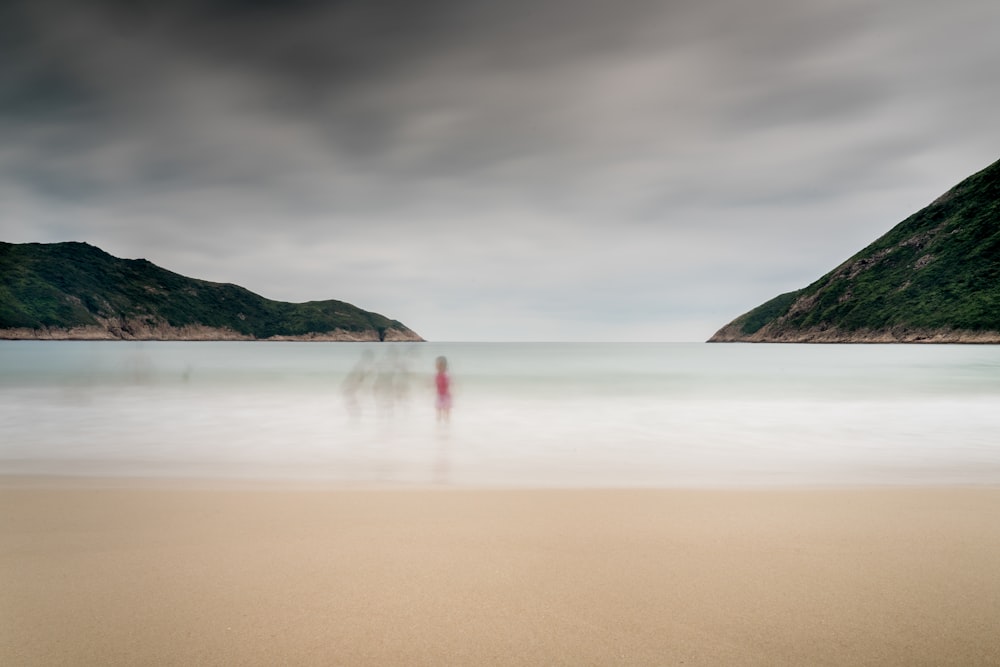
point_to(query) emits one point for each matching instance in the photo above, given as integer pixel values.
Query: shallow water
(547, 414)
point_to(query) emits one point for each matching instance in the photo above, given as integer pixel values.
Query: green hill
(935, 277)
(74, 290)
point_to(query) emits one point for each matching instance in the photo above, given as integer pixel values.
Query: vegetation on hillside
(937, 270)
(66, 285)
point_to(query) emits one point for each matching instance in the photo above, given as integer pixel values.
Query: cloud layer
(558, 170)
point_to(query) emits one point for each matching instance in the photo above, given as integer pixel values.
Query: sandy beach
(142, 573)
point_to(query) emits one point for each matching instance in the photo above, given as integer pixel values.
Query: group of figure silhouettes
(390, 380)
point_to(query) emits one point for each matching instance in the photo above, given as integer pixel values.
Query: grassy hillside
(67, 285)
(936, 272)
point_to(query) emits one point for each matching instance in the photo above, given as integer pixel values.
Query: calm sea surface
(548, 414)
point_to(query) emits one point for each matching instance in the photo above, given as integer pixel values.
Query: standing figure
(443, 383)
(383, 382)
(353, 382)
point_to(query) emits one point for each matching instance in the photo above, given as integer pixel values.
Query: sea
(523, 414)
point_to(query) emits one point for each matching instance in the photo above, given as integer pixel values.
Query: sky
(526, 170)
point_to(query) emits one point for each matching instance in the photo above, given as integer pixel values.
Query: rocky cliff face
(142, 330)
(933, 278)
(732, 334)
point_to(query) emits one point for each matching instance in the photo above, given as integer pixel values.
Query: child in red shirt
(443, 383)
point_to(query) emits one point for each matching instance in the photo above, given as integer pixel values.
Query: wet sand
(134, 573)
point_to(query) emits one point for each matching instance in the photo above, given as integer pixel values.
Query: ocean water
(546, 414)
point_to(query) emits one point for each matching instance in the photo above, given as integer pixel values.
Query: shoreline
(209, 336)
(133, 571)
(45, 482)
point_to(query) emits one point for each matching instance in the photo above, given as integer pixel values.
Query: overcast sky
(627, 170)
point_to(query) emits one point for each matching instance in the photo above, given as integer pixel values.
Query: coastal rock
(732, 334)
(199, 333)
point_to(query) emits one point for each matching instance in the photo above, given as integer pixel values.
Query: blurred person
(353, 383)
(404, 376)
(443, 383)
(384, 383)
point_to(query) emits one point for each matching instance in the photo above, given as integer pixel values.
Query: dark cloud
(513, 160)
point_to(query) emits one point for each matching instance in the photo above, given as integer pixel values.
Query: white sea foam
(525, 414)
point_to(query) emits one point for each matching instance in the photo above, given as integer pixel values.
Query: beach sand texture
(143, 573)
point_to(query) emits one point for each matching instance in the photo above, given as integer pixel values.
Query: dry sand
(143, 574)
